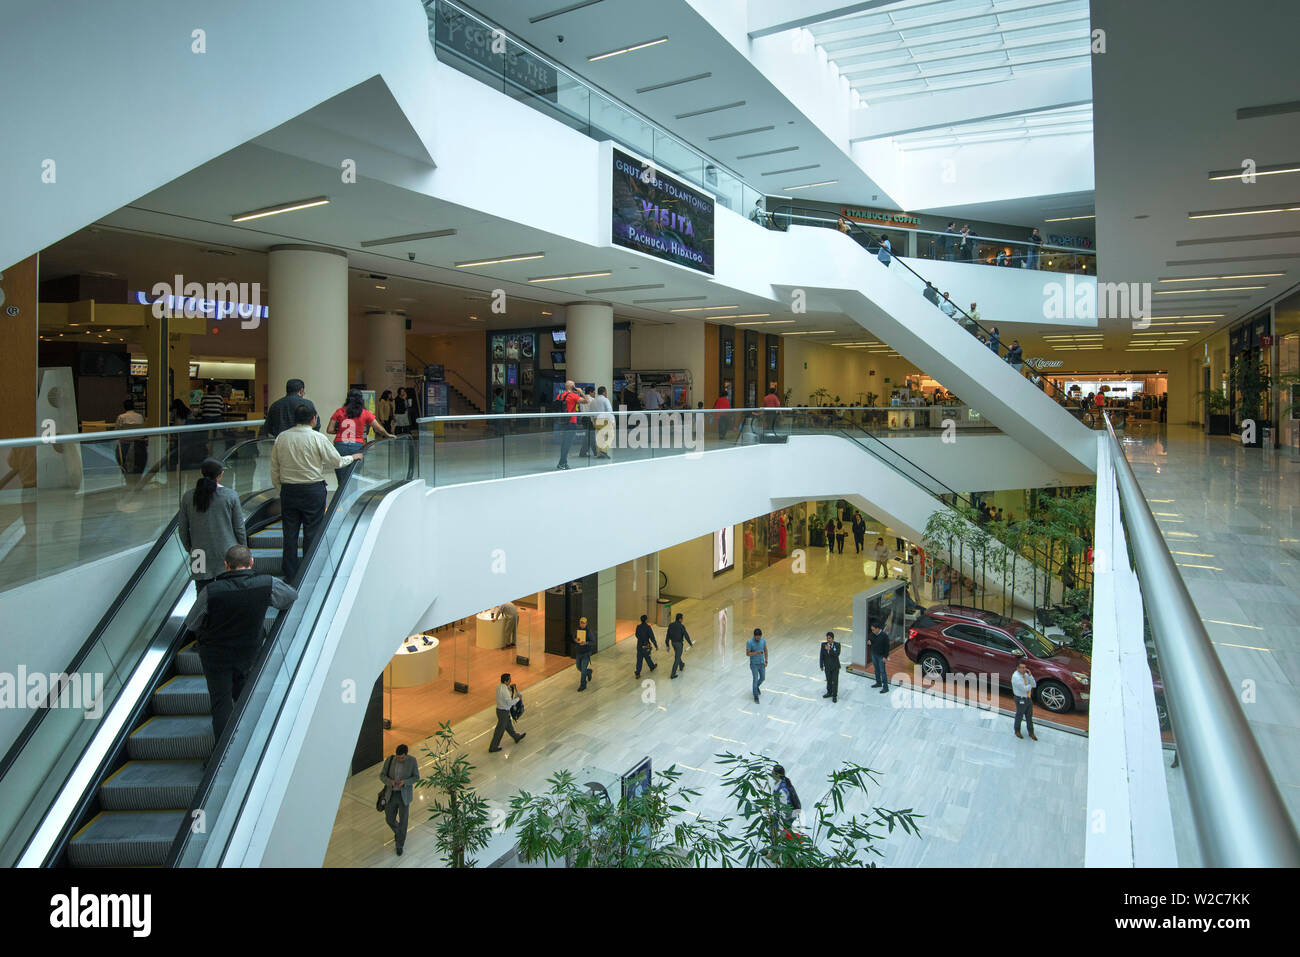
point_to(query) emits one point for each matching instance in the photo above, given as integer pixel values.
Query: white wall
(689, 567)
(293, 804)
(678, 345)
(844, 372)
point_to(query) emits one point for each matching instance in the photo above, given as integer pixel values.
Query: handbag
(381, 803)
(517, 709)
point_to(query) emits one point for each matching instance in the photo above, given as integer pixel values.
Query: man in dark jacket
(859, 532)
(676, 635)
(828, 660)
(279, 416)
(878, 641)
(227, 617)
(582, 650)
(645, 643)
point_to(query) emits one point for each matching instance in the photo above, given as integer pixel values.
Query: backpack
(794, 795)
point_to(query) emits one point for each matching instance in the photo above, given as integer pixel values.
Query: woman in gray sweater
(211, 521)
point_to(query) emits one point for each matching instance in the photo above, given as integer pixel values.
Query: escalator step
(269, 540)
(172, 737)
(187, 660)
(267, 561)
(184, 694)
(125, 839)
(151, 786)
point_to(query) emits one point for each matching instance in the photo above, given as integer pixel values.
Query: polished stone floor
(1231, 519)
(988, 798)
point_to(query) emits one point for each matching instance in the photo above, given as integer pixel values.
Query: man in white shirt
(132, 452)
(604, 423)
(1022, 689)
(948, 306)
(300, 460)
(507, 698)
(651, 400)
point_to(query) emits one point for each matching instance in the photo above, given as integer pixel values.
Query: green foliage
(1216, 403)
(462, 818)
(821, 838)
(571, 823)
(1251, 381)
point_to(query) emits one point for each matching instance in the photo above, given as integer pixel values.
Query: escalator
(119, 790)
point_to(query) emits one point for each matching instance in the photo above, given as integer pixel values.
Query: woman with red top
(348, 425)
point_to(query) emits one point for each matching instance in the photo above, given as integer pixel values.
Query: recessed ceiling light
(811, 332)
(381, 287)
(1065, 219)
(700, 308)
(621, 50)
(1189, 292)
(515, 258)
(408, 238)
(1234, 275)
(1243, 174)
(281, 208)
(580, 275)
(829, 182)
(1243, 211)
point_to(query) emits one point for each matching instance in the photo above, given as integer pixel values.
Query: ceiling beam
(775, 16)
(1044, 90)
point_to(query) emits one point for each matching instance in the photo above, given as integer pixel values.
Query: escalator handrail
(168, 536)
(254, 675)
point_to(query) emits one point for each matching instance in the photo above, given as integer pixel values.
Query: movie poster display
(661, 216)
(724, 549)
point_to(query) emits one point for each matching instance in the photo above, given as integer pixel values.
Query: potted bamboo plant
(1216, 412)
(1252, 383)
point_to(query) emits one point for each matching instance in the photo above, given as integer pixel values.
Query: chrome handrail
(127, 433)
(1240, 818)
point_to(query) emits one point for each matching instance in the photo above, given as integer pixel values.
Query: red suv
(954, 638)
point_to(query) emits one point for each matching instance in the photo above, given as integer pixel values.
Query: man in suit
(645, 643)
(399, 774)
(829, 661)
(676, 635)
(878, 641)
(582, 652)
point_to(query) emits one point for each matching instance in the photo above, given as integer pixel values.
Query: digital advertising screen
(661, 216)
(724, 549)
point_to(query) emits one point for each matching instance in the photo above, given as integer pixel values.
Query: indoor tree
(461, 817)
(1250, 378)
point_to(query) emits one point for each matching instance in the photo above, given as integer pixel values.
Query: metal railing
(1240, 818)
(523, 73)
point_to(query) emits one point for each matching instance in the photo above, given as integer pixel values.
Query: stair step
(125, 839)
(151, 786)
(183, 694)
(172, 737)
(187, 660)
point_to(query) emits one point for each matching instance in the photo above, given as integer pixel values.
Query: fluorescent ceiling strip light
(408, 238)
(569, 9)
(580, 275)
(1271, 170)
(517, 258)
(829, 182)
(1235, 275)
(727, 136)
(280, 208)
(1188, 292)
(1242, 211)
(667, 84)
(709, 109)
(632, 48)
(812, 332)
(1066, 219)
(699, 308)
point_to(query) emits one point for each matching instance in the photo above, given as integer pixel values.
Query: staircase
(142, 806)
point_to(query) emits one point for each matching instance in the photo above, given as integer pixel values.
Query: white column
(385, 352)
(589, 329)
(307, 325)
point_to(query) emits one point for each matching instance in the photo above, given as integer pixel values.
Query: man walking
(280, 414)
(645, 643)
(881, 555)
(582, 653)
(572, 399)
(676, 635)
(299, 463)
(756, 652)
(399, 774)
(828, 660)
(878, 639)
(507, 698)
(227, 617)
(1022, 689)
